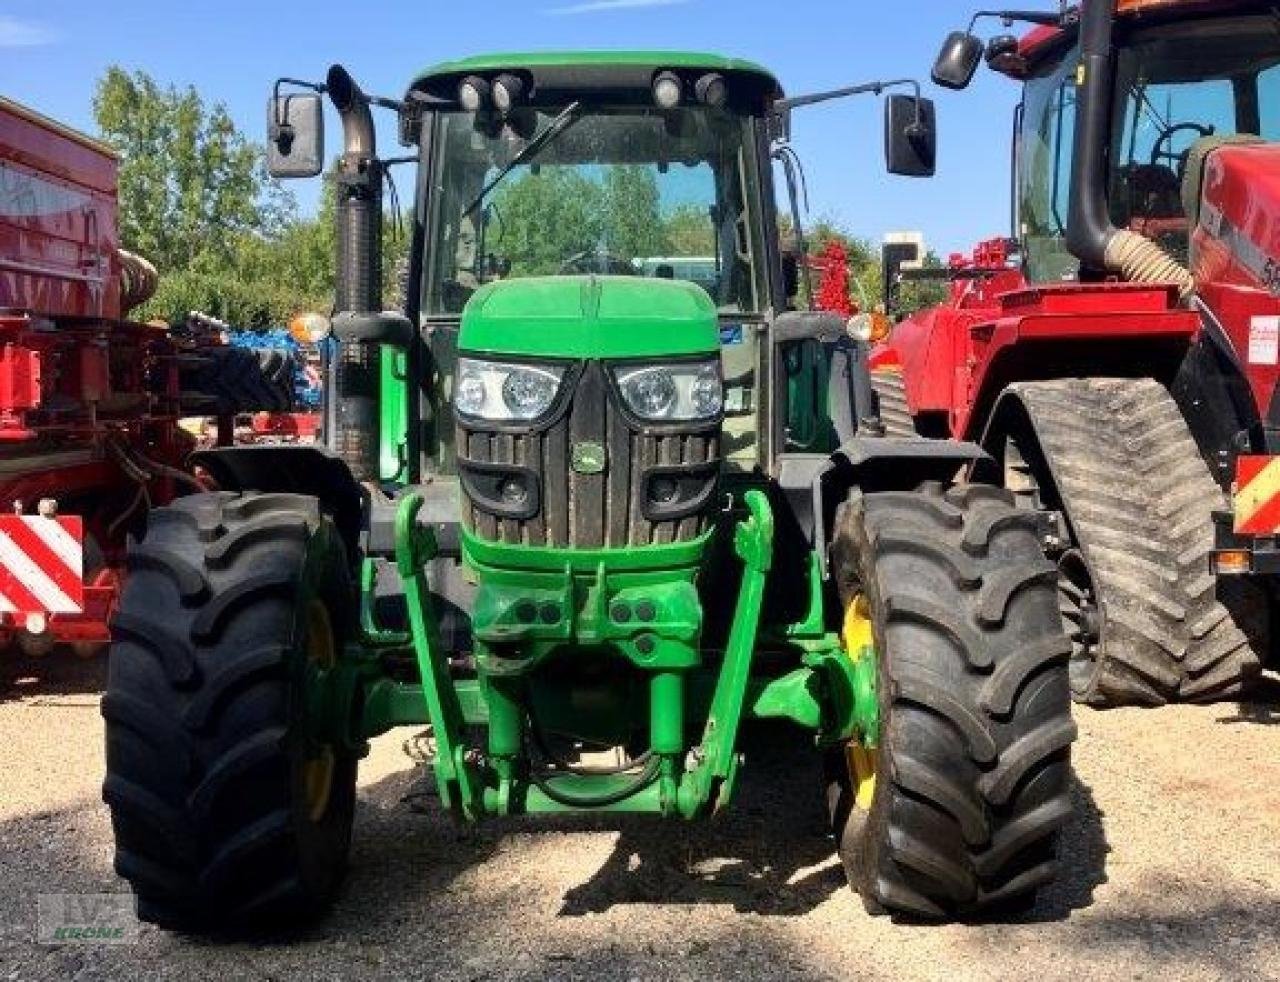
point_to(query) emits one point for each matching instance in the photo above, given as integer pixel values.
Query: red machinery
(1119, 356)
(89, 402)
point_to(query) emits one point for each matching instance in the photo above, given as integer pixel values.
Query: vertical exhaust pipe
(1091, 236)
(351, 411)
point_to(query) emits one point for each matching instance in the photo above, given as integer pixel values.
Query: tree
(633, 217)
(190, 183)
(544, 218)
(690, 232)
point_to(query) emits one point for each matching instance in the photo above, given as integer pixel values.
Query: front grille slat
(693, 451)
(555, 487)
(644, 456)
(505, 453)
(619, 508)
(529, 455)
(586, 491)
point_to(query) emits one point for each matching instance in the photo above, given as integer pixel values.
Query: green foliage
(866, 277)
(190, 184)
(546, 217)
(196, 200)
(634, 225)
(689, 232)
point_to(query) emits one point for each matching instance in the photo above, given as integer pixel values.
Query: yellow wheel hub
(317, 770)
(863, 762)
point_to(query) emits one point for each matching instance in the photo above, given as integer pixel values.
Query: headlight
(501, 392)
(658, 393)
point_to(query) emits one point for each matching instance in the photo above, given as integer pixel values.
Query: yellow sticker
(1080, 74)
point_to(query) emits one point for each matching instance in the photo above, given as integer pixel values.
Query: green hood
(590, 317)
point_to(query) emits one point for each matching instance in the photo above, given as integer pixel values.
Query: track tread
(1139, 498)
(895, 412)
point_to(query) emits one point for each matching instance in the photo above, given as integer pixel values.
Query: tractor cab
(1182, 87)
(545, 172)
(1181, 80)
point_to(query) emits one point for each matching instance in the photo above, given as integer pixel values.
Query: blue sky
(51, 54)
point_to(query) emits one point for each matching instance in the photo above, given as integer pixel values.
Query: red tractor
(89, 400)
(1118, 355)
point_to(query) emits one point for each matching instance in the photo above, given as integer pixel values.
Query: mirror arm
(282, 120)
(785, 105)
(1043, 18)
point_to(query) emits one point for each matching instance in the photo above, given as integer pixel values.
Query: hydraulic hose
(642, 780)
(138, 280)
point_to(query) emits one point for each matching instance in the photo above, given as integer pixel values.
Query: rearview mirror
(295, 135)
(910, 136)
(958, 60)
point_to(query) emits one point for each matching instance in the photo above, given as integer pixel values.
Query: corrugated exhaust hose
(1139, 260)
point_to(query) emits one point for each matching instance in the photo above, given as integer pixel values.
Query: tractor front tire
(229, 812)
(958, 809)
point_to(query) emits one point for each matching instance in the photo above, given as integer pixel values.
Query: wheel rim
(1081, 618)
(859, 643)
(318, 768)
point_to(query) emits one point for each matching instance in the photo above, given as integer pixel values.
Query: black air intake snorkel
(1091, 236)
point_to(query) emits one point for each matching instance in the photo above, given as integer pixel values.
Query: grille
(614, 508)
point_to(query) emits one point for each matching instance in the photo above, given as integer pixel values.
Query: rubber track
(198, 721)
(976, 728)
(1140, 499)
(895, 413)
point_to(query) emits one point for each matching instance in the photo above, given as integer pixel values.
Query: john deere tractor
(597, 498)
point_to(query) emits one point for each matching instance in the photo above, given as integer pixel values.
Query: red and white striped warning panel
(41, 564)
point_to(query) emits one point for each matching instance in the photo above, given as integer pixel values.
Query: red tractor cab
(1118, 354)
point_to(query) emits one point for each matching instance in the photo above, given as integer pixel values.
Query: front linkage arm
(707, 782)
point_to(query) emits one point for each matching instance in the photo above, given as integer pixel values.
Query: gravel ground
(1172, 871)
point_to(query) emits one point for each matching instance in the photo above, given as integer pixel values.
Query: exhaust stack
(351, 417)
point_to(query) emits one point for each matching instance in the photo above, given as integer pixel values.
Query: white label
(1264, 341)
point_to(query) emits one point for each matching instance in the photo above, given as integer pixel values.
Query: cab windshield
(571, 190)
(1174, 86)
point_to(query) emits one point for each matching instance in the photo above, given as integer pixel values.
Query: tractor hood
(1236, 239)
(590, 317)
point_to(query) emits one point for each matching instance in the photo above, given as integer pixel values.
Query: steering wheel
(1177, 162)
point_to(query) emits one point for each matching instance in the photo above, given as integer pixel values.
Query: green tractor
(584, 521)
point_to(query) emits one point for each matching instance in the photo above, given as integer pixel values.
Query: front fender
(311, 471)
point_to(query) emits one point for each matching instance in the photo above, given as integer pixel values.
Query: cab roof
(595, 59)
(1045, 40)
(602, 69)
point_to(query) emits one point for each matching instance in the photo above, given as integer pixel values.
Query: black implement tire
(973, 765)
(227, 380)
(208, 752)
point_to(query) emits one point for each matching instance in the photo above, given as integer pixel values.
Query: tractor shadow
(1261, 707)
(770, 854)
(47, 679)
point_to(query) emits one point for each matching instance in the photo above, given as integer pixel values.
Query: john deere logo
(588, 458)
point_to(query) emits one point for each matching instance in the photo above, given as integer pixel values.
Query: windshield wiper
(567, 118)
